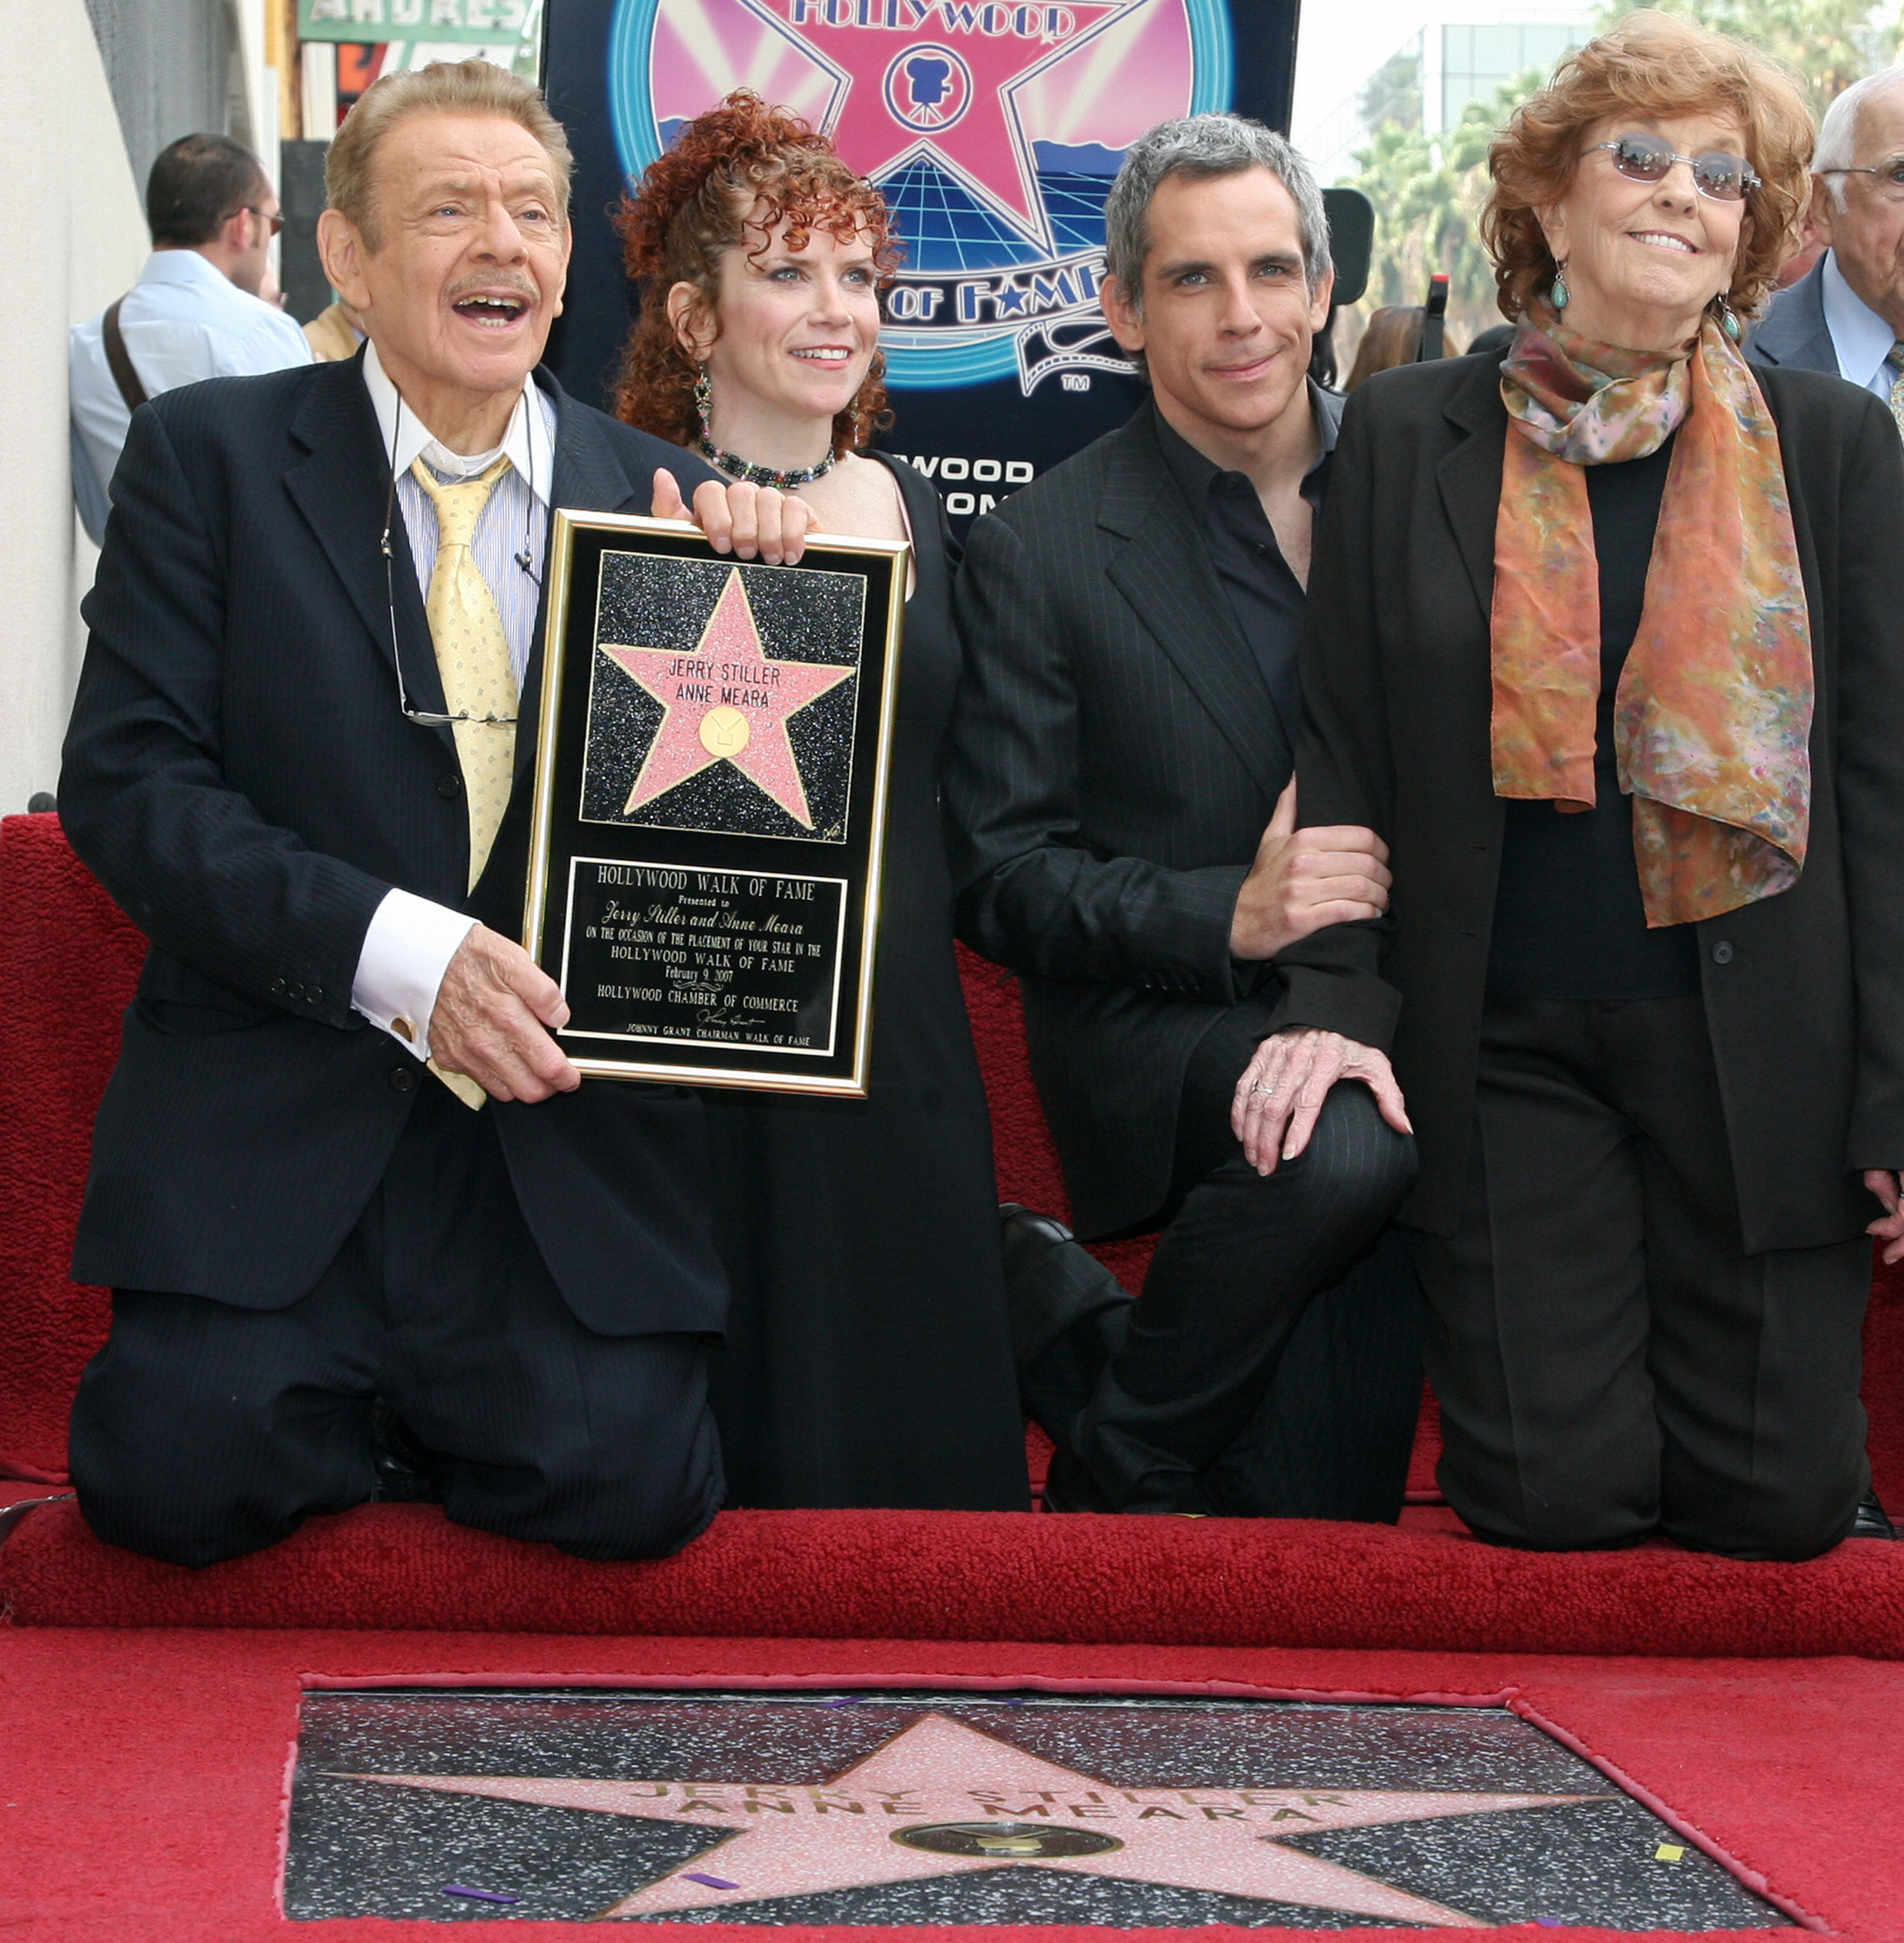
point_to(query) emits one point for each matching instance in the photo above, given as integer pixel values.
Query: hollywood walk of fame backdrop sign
(992, 128)
(710, 786)
(888, 1808)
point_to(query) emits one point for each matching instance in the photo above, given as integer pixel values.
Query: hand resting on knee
(1284, 1086)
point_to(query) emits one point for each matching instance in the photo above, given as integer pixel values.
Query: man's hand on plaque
(743, 519)
(1304, 879)
(492, 1012)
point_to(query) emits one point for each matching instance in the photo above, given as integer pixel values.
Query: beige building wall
(79, 239)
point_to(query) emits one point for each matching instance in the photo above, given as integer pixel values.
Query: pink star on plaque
(728, 701)
(942, 1798)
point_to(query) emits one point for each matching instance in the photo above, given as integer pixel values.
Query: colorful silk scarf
(1713, 714)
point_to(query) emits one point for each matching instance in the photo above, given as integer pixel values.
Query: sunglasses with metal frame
(1718, 176)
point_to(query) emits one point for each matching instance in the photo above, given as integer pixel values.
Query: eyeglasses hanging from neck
(524, 559)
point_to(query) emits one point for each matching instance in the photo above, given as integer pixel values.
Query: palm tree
(1427, 189)
(1827, 44)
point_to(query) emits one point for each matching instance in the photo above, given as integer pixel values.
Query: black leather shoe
(1067, 1314)
(1872, 1520)
(404, 1467)
(1069, 1485)
(1026, 1234)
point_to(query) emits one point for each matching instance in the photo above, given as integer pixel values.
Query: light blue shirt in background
(1862, 338)
(184, 320)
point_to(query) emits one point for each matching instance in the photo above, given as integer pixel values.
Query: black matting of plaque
(711, 784)
(391, 1847)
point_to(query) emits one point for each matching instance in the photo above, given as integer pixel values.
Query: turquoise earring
(1561, 295)
(1729, 319)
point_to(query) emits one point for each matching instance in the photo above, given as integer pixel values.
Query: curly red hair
(1649, 65)
(737, 172)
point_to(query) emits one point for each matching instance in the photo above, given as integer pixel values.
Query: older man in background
(299, 761)
(1846, 315)
(195, 312)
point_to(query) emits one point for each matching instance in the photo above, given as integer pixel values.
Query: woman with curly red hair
(868, 1360)
(1604, 640)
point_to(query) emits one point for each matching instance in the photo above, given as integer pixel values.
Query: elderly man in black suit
(1126, 835)
(1846, 315)
(299, 761)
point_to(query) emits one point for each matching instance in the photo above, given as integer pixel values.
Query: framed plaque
(710, 803)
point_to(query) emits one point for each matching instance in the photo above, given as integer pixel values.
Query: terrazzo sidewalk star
(728, 701)
(940, 1799)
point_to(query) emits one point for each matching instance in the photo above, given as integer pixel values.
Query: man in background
(195, 312)
(334, 333)
(1846, 315)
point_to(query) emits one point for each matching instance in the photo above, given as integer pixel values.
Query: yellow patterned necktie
(1894, 363)
(472, 656)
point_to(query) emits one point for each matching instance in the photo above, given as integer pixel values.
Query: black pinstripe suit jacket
(241, 778)
(1115, 754)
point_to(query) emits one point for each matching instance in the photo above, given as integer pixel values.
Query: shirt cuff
(407, 950)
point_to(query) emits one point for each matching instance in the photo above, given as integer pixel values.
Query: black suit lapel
(1469, 477)
(1164, 571)
(342, 488)
(1794, 332)
(589, 477)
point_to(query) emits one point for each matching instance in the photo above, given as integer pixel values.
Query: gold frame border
(567, 522)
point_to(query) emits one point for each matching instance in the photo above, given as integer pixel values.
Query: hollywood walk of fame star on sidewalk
(727, 702)
(923, 1803)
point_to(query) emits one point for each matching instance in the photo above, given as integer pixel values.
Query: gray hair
(1201, 146)
(1837, 134)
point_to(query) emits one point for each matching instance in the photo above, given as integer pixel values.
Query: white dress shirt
(184, 320)
(1862, 338)
(411, 941)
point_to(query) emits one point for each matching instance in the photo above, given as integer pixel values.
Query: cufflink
(404, 1030)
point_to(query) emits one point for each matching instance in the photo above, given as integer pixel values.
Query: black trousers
(202, 1431)
(1211, 1403)
(1610, 1362)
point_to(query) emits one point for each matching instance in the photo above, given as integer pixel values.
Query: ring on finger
(1257, 1086)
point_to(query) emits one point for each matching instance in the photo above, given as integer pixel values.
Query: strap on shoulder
(119, 361)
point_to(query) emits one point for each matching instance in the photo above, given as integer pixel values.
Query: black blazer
(1115, 755)
(240, 777)
(1804, 992)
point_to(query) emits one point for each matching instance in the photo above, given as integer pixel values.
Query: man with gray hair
(1120, 781)
(1846, 315)
(344, 1160)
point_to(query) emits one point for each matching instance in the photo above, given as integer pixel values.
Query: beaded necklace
(738, 467)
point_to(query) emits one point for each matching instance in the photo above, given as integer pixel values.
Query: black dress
(868, 1361)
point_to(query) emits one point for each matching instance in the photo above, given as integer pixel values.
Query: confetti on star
(728, 701)
(941, 1799)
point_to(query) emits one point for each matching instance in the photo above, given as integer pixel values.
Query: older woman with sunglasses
(1607, 641)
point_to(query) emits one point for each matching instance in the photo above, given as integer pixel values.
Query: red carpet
(142, 1773)
(68, 963)
(980, 1575)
